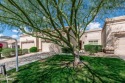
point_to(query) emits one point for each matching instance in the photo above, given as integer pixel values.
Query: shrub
(7, 52)
(33, 49)
(19, 51)
(100, 48)
(25, 51)
(66, 50)
(93, 48)
(10, 52)
(0, 49)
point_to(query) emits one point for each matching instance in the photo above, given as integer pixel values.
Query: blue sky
(10, 32)
(97, 23)
(15, 33)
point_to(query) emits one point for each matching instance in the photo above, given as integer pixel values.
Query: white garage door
(27, 45)
(120, 50)
(46, 47)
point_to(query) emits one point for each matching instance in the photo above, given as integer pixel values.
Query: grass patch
(110, 70)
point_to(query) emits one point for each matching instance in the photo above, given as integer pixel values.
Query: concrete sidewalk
(14, 58)
(122, 57)
(10, 63)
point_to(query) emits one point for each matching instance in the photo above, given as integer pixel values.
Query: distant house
(5, 44)
(9, 43)
(90, 37)
(27, 41)
(113, 35)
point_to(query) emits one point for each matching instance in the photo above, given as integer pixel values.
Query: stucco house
(90, 37)
(113, 35)
(27, 41)
(9, 43)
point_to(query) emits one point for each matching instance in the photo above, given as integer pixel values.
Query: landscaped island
(57, 70)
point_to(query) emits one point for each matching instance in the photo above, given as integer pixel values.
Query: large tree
(51, 19)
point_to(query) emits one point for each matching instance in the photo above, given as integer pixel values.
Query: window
(93, 42)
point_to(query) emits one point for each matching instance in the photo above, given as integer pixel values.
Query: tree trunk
(76, 58)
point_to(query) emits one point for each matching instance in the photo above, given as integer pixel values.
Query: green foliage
(7, 52)
(110, 70)
(19, 51)
(66, 50)
(93, 48)
(10, 52)
(0, 49)
(33, 49)
(25, 51)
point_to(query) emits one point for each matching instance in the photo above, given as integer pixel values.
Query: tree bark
(76, 58)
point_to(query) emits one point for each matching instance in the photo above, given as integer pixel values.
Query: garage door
(120, 50)
(46, 47)
(27, 45)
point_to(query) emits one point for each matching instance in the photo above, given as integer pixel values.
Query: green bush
(33, 49)
(19, 51)
(0, 49)
(7, 52)
(25, 51)
(66, 50)
(93, 48)
(10, 52)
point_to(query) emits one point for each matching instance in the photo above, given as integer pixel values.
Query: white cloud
(1, 34)
(14, 36)
(16, 31)
(94, 25)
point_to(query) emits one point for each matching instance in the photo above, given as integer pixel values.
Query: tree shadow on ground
(52, 71)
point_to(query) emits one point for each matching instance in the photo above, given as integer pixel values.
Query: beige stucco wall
(46, 47)
(50, 47)
(103, 37)
(40, 44)
(110, 40)
(91, 35)
(10, 42)
(26, 38)
(43, 45)
(120, 47)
